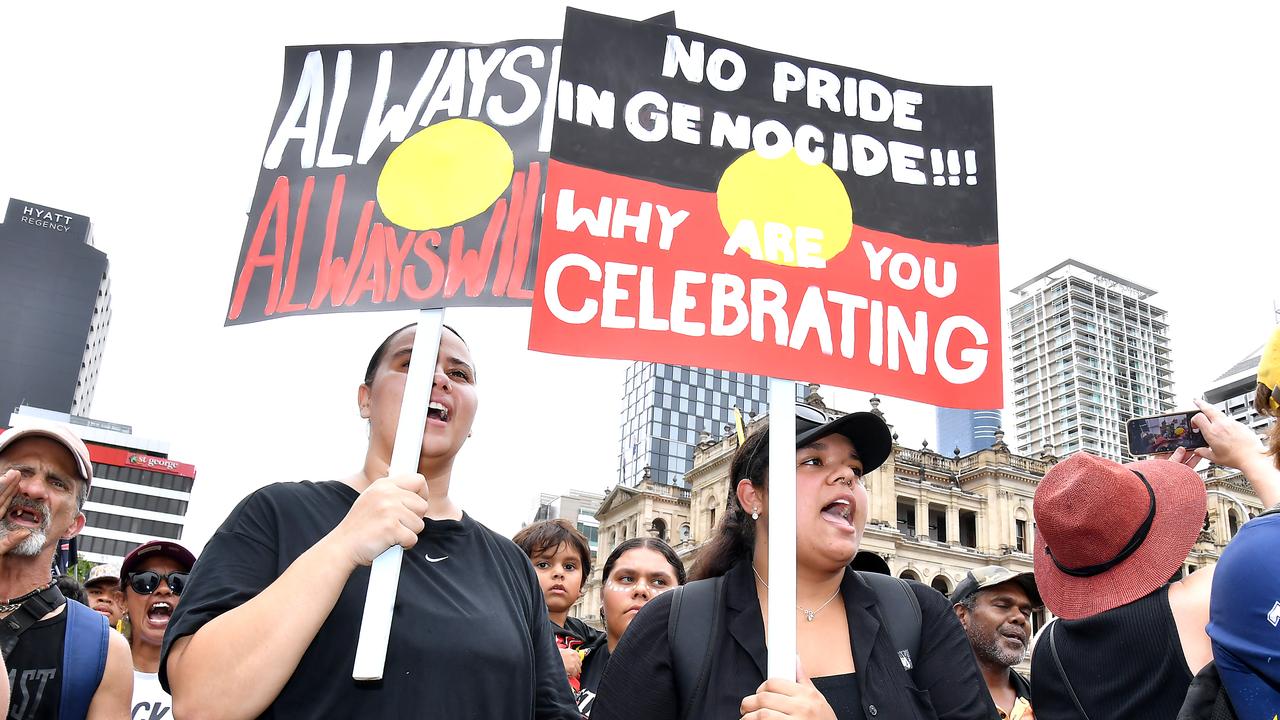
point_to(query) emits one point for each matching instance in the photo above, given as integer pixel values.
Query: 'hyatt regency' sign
(27, 217)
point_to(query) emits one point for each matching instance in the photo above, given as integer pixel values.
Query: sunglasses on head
(809, 414)
(147, 581)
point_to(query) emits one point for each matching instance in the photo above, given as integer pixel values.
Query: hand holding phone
(1164, 433)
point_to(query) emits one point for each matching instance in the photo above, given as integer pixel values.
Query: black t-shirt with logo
(35, 670)
(470, 636)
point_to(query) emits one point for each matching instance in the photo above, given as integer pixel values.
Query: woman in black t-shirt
(843, 644)
(268, 625)
(637, 571)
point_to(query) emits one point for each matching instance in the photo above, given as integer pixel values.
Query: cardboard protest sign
(716, 205)
(399, 177)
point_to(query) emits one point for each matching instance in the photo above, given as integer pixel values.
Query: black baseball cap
(867, 431)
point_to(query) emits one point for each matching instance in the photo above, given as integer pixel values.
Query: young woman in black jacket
(848, 665)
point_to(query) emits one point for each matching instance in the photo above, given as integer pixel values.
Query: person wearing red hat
(45, 473)
(152, 576)
(1109, 537)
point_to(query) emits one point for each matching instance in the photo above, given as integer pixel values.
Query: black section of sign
(418, 74)
(626, 57)
(667, 18)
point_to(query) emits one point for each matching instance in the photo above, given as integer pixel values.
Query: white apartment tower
(1088, 354)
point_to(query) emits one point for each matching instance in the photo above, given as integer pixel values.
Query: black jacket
(638, 682)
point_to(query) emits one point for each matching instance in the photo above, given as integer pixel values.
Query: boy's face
(560, 575)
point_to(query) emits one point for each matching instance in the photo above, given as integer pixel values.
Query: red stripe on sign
(636, 270)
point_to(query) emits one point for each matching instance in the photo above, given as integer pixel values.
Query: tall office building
(966, 430)
(56, 295)
(667, 408)
(138, 492)
(1089, 353)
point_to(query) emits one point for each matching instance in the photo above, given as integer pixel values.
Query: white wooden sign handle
(782, 529)
(384, 576)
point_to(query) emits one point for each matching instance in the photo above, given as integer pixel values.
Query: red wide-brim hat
(1105, 538)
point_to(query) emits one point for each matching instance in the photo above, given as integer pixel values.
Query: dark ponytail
(735, 536)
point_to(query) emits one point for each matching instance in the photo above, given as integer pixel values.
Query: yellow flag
(737, 422)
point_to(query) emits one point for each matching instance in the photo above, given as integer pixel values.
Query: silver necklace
(809, 615)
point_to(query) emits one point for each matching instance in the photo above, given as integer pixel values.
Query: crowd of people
(264, 624)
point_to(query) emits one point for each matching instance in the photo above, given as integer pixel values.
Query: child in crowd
(562, 559)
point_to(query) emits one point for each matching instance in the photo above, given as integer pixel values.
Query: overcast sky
(1136, 137)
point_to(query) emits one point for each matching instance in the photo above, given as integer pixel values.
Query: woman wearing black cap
(849, 666)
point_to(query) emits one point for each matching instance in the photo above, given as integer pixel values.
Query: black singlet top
(1126, 662)
(841, 692)
(35, 670)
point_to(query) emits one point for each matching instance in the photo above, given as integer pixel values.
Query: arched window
(941, 584)
(1233, 523)
(909, 575)
(659, 528)
(1021, 531)
(686, 533)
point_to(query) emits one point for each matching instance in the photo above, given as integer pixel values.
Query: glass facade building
(667, 408)
(1089, 353)
(966, 430)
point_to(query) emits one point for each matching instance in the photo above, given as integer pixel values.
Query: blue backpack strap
(84, 659)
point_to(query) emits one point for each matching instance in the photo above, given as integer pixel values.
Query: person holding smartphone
(1244, 604)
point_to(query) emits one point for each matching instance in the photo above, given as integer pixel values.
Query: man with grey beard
(994, 605)
(45, 473)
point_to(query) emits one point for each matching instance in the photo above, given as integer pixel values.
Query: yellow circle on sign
(780, 198)
(444, 174)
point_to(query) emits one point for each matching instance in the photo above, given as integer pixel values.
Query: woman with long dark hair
(637, 571)
(269, 624)
(849, 665)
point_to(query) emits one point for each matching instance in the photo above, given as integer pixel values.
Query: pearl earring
(755, 514)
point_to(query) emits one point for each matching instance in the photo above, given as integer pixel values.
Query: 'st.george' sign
(716, 205)
(399, 177)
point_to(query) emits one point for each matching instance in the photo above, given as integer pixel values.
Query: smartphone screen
(1164, 433)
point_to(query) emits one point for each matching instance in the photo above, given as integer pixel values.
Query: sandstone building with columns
(932, 517)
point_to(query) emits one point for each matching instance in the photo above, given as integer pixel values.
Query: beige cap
(110, 573)
(59, 433)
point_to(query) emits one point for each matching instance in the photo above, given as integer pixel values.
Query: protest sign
(716, 205)
(399, 177)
